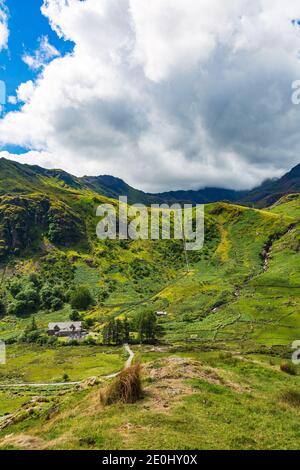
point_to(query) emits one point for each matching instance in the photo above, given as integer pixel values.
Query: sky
(166, 94)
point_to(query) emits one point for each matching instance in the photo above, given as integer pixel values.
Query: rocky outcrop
(26, 219)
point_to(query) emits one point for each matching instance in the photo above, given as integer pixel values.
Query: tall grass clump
(126, 387)
(291, 397)
(288, 368)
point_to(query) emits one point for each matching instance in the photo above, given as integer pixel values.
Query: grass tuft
(288, 368)
(291, 397)
(126, 388)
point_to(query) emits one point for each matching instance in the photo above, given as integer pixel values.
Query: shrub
(30, 337)
(2, 308)
(72, 342)
(81, 299)
(44, 340)
(74, 315)
(288, 368)
(52, 297)
(15, 287)
(90, 341)
(126, 388)
(291, 397)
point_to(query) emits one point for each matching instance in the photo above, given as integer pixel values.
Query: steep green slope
(228, 297)
(288, 206)
(248, 257)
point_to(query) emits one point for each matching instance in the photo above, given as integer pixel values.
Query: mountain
(19, 178)
(114, 187)
(202, 196)
(272, 190)
(265, 195)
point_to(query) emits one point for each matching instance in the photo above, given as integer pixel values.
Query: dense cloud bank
(166, 94)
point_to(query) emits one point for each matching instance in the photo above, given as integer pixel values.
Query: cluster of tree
(147, 327)
(140, 269)
(81, 298)
(48, 289)
(116, 332)
(28, 294)
(145, 323)
(56, 267)
(25, 297)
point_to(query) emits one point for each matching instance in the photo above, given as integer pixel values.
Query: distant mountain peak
(295, 172)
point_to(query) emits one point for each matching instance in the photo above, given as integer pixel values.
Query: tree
(108, 332)
(30, 295)
(126, 327)
(34, 279)
(15, 287)
(102, 296)
(147, 328)
(2, 307)
(52, 297)
(33, 324)
(81, 299)
(74, 315)
(116, 332)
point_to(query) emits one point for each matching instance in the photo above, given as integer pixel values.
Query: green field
(33, 364)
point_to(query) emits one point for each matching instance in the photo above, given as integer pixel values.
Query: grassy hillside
(193, 401)
(288, 206)
(231, 319)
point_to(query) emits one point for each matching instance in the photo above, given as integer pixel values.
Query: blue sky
(26, 25)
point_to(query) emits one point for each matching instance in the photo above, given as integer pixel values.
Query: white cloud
(42, 56)
(4, 33)
(12, 100)
(165, 93)
(25, 91)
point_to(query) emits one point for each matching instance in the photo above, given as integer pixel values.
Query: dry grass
(291, 397)
(126, 387)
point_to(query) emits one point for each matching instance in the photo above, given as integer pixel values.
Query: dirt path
(71, 384)
(127, 363)
(131, 356)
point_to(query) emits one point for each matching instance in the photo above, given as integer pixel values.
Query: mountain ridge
(16, 177)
